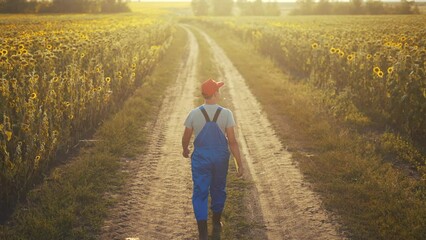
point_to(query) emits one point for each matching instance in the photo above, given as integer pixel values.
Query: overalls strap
(206, 116)
(216, 115)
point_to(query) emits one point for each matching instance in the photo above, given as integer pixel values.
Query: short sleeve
(189, 122)
(230, 122)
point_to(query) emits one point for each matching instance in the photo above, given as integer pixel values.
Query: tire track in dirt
(157, 204)
(291, 210)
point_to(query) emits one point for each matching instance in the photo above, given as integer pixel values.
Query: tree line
(226, 8)
(355, 7)
(63, 6)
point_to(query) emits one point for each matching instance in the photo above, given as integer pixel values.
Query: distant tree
(17, 6)
(258, 8)
(342, 8)
(323, 7)
(407, 7)
(272, 9)
(84, 6)
(375, 7)
(305, 6)
(113, 6)
(222, 7)
(357, 6)
(200, 7)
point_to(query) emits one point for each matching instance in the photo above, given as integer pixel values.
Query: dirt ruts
(158, 205)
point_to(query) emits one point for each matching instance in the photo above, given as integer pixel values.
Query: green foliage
(382, 70)
(397, 147)
(73, 201)
(373, 199)
(59, 81)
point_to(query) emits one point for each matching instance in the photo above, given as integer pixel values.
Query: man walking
(209, 161)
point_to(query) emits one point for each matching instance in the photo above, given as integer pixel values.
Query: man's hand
(240, 171)
(185, 153)
(185, 142)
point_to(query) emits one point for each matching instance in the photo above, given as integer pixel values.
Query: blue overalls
(209, 167)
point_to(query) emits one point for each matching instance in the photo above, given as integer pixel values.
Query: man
(209, 161)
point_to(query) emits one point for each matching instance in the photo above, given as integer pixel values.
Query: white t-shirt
(196, 119)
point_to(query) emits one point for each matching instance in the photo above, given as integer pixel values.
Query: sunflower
(390, 70)
(33, 96)
(376, 70)
(36, 161)
(369, 56)
(25, 128)
(4, 52)
(341, 53)
(8, 135)
(332, 50)
(380, 74)
(350, 57)
(107, 79)
(314, 45)
(24, 63)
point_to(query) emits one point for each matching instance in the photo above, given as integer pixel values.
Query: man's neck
(210, 102)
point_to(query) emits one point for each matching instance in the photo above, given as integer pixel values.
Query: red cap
(210, 86)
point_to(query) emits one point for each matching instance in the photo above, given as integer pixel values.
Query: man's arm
(185, 141)
(235, 150)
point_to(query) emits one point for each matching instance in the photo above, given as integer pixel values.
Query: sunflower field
(378, 63)
(59, 77)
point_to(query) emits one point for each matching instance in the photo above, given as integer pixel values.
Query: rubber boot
(217, 225)
(202, 230)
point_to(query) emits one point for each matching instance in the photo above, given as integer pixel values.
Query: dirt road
(158, 202)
